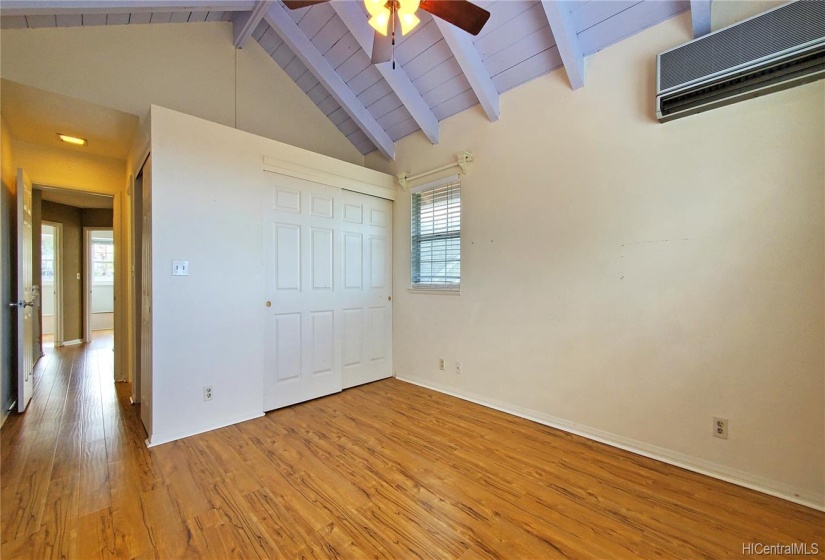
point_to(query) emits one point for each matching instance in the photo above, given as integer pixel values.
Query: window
(436, 235)
(103, 260)
(47, 257)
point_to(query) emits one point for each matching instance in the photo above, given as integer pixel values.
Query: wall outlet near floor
(458, 367)
(207, 393)
(441, 364)
(720, 428)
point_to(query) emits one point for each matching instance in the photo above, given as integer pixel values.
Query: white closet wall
(214, 206)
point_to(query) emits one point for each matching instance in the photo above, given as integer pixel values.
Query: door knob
(269, 304)
(16, 304)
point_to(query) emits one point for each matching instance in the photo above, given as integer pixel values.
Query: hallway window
(47, 257)
(103, 259)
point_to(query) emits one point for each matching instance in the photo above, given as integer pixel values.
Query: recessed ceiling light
(72, 139)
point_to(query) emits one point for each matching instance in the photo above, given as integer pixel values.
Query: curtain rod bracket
(463, 161)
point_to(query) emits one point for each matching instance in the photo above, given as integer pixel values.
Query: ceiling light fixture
(72, 139)
(382, 13)
(385, 13)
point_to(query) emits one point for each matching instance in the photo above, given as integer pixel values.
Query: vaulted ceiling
(440, 70)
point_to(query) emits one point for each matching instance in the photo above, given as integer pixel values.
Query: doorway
(51, 280)
(99, 268)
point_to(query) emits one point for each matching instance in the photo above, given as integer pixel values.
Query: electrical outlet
(441, 364)
(458, 367)
(207, 393)
(720, 428)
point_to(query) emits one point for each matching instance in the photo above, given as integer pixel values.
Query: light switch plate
(180, 268)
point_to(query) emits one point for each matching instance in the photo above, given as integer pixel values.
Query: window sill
(428, 292)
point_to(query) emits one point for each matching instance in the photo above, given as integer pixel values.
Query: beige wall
(71, 169)
(728, 12)
(8, 190)
(190, 68)
(632, 280)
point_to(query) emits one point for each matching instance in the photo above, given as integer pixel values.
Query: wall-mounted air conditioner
(778, 49)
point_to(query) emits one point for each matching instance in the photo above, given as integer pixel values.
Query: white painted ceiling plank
(53, 7)
(69, 20)
(117, 19)
(244, 23)
(96, 19)
(356, 21)
(468, 59)
(567, 40)
(303, 48)
(35, 21)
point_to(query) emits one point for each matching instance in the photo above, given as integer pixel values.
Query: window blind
(436, 235)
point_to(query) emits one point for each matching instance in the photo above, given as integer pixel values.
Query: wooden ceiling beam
(567, 40)
(305, 50)
(700, 16)
(466, 54)
(244, 23)
(356, 22)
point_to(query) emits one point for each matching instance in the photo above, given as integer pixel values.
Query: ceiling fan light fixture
(408, 6)
(408, 22)
(380, 21)
(375, 7)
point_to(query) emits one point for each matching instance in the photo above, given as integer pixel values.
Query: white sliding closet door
(312, 294)
(367, 289)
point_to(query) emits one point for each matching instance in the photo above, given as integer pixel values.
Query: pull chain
(394, 11)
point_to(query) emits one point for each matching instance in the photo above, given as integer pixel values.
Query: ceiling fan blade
(381, 48)
(296, 4)
(460, 13)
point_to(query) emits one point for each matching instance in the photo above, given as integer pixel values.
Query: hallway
(56, 456)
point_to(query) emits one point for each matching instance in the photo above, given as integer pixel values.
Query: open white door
(25, 301)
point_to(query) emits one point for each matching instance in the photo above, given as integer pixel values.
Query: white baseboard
(156, 440)
(72, 342)
(707, 468)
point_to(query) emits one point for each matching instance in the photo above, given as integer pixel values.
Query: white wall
(208, 197)
(187, 67)
(103, 298)
(632, 280)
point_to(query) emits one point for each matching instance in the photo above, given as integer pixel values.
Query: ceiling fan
(386, 14)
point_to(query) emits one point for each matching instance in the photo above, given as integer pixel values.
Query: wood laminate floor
(384, 470)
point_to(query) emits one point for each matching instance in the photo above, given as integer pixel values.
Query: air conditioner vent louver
(775, 50)
(765, 35)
